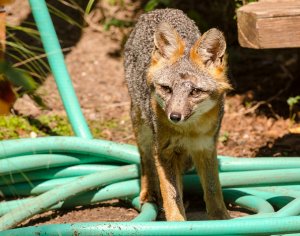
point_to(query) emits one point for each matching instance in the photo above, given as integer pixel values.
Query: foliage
(52, 125)
(17, 77)
(21, 80)
(89, 6)
(16, 127)
(25, 65)
(292, 101)
(223, 138)
(117, 23)
(152, 4)
(105, 14)
(25, 127)
(24, 55)
(12, 127)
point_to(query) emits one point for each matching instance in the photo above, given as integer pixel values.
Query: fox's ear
(167, 42)
(209, 48)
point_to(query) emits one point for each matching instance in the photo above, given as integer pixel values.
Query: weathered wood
(269, 24)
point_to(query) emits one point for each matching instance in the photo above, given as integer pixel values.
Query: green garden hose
(266, 226)
(59, 69)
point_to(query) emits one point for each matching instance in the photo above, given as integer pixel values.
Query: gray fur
(170, 131)
(140, 45)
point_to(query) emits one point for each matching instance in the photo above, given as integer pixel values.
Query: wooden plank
(269, 24)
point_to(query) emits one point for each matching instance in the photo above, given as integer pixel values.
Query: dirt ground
(96, 69)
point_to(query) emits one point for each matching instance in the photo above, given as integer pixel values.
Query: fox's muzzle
(178, 107)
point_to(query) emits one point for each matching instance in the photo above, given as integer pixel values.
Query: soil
(256, 121)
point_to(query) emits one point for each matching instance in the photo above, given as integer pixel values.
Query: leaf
(224, 137)
(117, 23)
(63, 16)
(89, 6)
(38, 100)
(151, 5)
(293, 100)
(18, 77)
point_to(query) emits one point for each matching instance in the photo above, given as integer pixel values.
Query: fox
(177, 83)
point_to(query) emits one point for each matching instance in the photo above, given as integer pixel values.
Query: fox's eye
(195, 92)
(166, 88)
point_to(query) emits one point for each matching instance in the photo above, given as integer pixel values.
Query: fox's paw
(176, 217)
(219, 215)
(145, 196)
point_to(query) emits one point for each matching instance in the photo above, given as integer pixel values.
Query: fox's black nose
(175, 116)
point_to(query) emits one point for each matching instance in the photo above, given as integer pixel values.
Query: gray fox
(177, 81)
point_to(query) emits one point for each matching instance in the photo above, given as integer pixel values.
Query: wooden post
(269, 24)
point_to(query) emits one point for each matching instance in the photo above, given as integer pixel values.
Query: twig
(128, 138)
(119, 104)
(38, 57)
(89, 20)
(269, 100)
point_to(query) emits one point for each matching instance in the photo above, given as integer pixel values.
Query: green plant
(53, 125)
(116, 22)
(89, 6)
(292, 101)
(152, 4)
(223, 138)
(25, 65)
(18, 77)
(16, 127)
(26, 126)
(12, 127)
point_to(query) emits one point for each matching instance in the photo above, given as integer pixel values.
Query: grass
(12, 127)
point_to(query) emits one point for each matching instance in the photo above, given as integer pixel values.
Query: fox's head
(187, 78)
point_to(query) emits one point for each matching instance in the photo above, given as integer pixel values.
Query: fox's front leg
(144, 137)
(149, 180)
(206, 164)
(170, 178)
